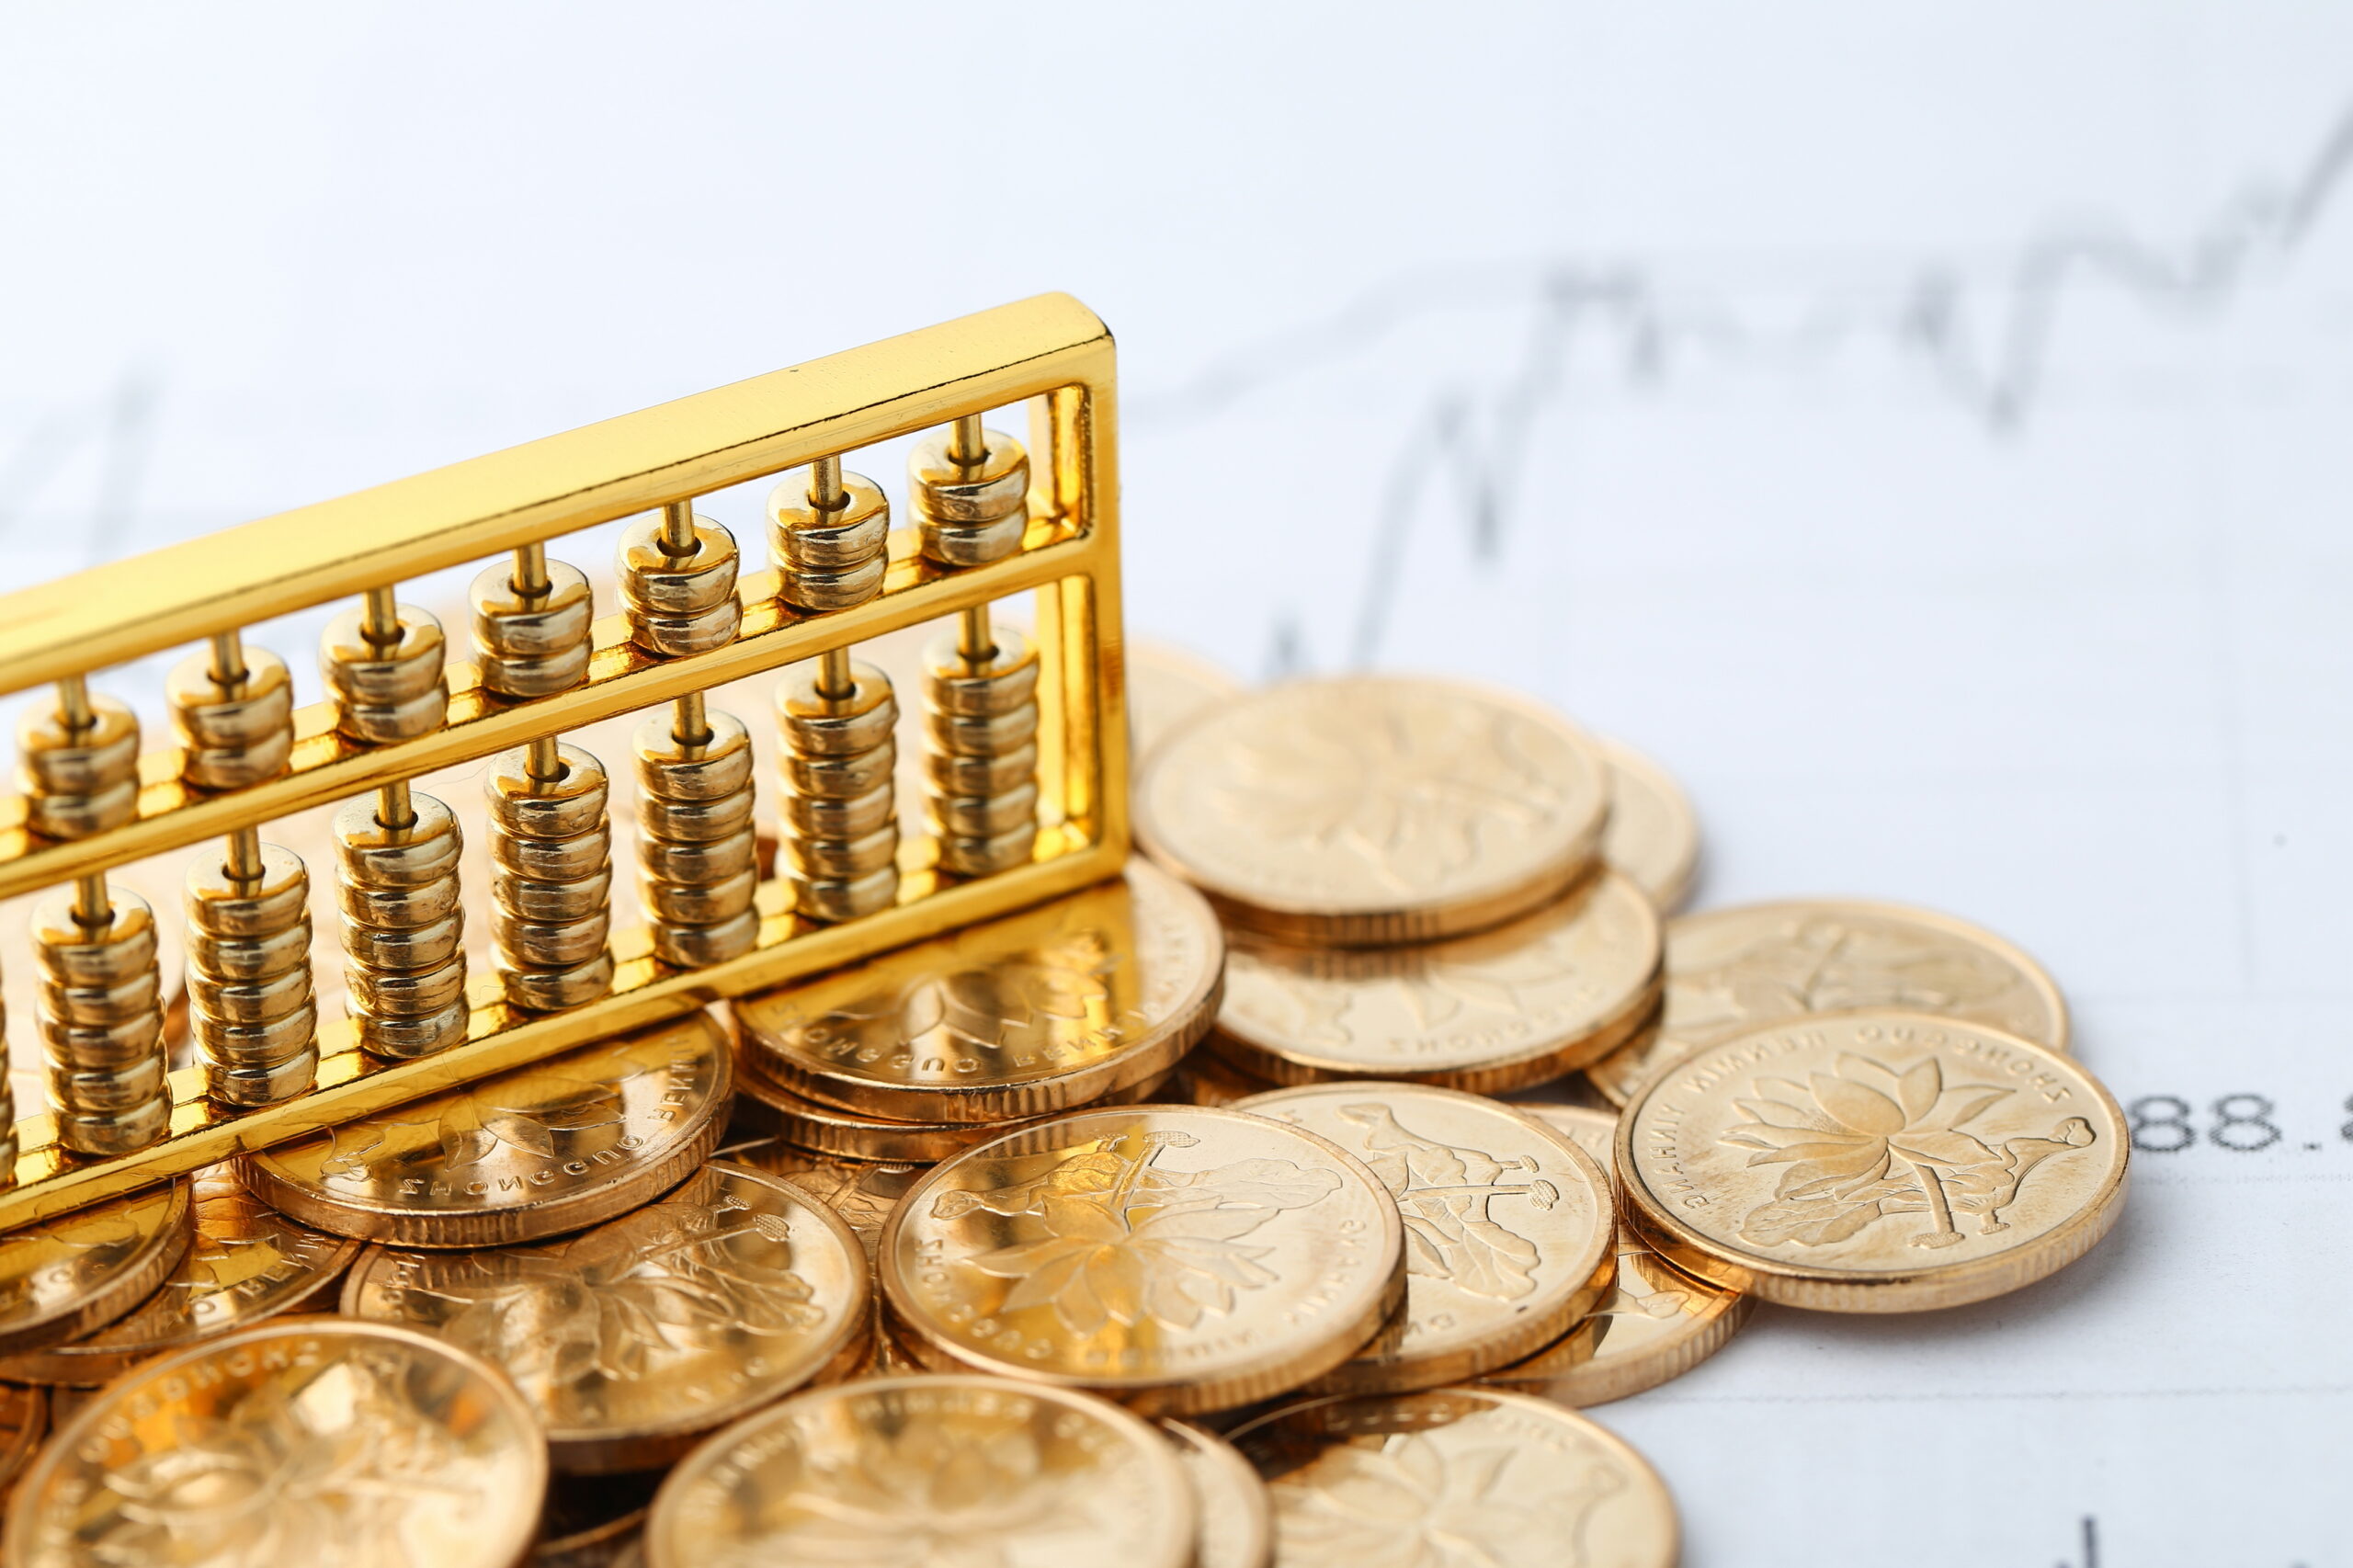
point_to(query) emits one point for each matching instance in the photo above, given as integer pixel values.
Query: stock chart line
(1982, 337)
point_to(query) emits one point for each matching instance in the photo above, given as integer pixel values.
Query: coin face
(1729, 971)
(858, 1135)
(71, 1275)
(1509, 1237)
(1653, 836)
(632, 1339)
(1021, 1016)
(926, 1471)
(1179, 1258)
(1456, 1476)
(245, 1263)
(1519, 1005)
(1166, 686)
(1237, 1529)
(861, 1193)
(24, 1421)
(1656, 1322)
(308, 1439)
(1371, 810)
(1873, 1162)
(532, 1153)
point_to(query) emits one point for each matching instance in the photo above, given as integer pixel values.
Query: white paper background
(1924, 430)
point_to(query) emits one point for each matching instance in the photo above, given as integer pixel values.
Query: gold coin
(1873, 1162)
(1508, 1226)
(887, 1352)
(1730, 971)
(1022, 1015)
(879, 1140)
(1657, 1323)
(246, 1263)
(1456, 1476)
(1653, 836)
(1237, 1529)
(1167, 685)
(1372, 809)
(1208, 1079)
(632, 1340)
(594, 1521)
(928, 1470)
(24, 1421)
(1520, 1005)
(305, 1440)
(862, 1192)
(533, 1153)
(1179, 1258)
(72, 1275)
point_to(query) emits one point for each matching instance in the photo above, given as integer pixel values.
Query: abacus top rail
(126, 609)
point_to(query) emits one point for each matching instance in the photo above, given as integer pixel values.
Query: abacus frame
(1049, 351)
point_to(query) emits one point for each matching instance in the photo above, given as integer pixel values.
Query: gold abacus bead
(393, 690)
(969, 513)
(231, 734)
(814, 725)
(551, 843)
(684, 603)
(981, 729)
(404, 927)
(698, 848)
(78, 778)
(251, 1007)
(838, 807)
(100, 1018)
(532, 643)
(829, 557)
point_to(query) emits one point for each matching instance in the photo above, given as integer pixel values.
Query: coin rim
(714, 1451)
(1594, 1270)
(1257, 1515)
(1525, 1067)
(815, 1128)
(118, 1297)
(511, 1226)
(1371, 924)
(1184, 1391)
(1675, 890)
(28, 1434)
(1869, 1290)
(1580, 1386)
(1662, 1496)
(21, 1519)
(1158, 1049)
(590, 1450)
(2039, 979)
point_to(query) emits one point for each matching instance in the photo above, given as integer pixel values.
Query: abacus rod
(678, 528)
(243, 861)
(381, 616)
(825, 492)
(544, 762)
(394, 808)
(689, 724)
(975, 638)
(228, 658)
(529, 577)
(73, 702)
(968, 444)
(92, 907)
(835, 681)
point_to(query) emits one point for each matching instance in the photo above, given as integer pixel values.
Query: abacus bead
(694, 822)
(803, 538)
(59, 761)
(841, 778)
(949, 774)
(672, 770)
(842, 859)
(530, 899)
(984, 816)
(814, 725)
(220, 906)
(71, 954)
(357, 671)
(425, 851)
(711, 862)
(535, 646)
(546, 989)
(420, 948)
(664, 584)
(822, 816)
(697, 903)
(982, 856)
(981, 735)
(557, 808)
(208, 717)
(846, 899)
(947, 492)
(553, 860)
(697, 946)
(261, 1083)
(1004, 681)
(396, 909)
(121, 1132)
(405, 1038)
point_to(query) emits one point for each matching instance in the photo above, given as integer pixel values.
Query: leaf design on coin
(919, 1495)
(1409, 797)
(1442, 1192)
(1125, 1240)
(1829, 966)
(610, 1303)
(1403, 1502)
(1868, 1141)
(331, 1481)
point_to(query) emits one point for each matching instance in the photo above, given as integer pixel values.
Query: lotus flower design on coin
(1442, 1193)
(926, 1497)
(1868, 1141)
(1125, 1240)
(1406, 1502)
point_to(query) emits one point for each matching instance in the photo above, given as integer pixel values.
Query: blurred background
(1922, 429)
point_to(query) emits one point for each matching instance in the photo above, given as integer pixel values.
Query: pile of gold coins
(1283, 1201)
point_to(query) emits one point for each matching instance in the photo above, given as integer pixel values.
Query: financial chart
(1925, 438)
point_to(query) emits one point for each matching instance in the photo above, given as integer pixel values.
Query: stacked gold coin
(1413, 880)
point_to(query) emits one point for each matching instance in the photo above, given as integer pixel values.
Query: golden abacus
(1025, 750)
